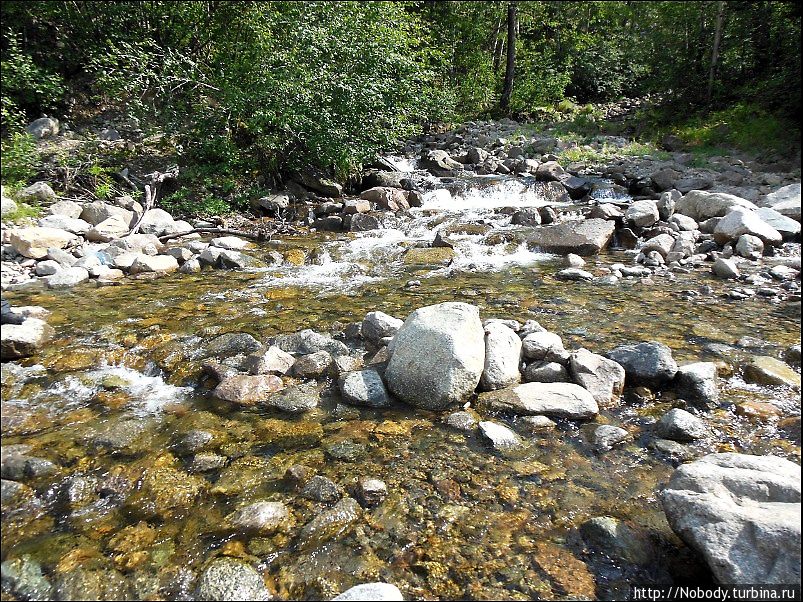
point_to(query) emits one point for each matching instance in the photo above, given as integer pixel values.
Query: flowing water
(121, 384)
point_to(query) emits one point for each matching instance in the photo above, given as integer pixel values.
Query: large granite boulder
(741, 513)
(785, 201)
(437, 356)
(700, 205)
(34, 242)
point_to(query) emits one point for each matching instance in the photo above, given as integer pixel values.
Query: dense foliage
(254, 89)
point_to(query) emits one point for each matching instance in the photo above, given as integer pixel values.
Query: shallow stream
(121, 383)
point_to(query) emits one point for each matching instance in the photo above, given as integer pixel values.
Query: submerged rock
(330, 523)
(499, 436)
(741, 513)
(615, 539)
(438, 355)
(766, 370)
(262, 517)
(247, 390)
(371, 592)
(231, 579)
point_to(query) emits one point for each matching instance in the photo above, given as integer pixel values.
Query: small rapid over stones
(510, 389)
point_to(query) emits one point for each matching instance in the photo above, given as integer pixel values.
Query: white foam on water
(150, 394)
(353, 261)
(403, 164)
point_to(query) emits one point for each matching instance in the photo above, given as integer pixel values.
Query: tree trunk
(715, 50)
(498, 46)
(507, 89)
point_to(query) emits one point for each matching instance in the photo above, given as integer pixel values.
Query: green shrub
(19, 159)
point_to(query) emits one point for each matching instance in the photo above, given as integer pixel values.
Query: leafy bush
(26, 86)
(20, 158)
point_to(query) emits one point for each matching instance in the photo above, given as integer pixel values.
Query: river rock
(261, 517)
(741, 513)
(247, 390)
(743, 221)
(161, 264)
(725, 268)
(294, 399)
(230, 343)
(36, 193)
(371, 492)
(231, 579)
(499, 436)
(312, 365)
(108, 230)
(697, 383)
(371, 592)
(24, 578)
(502, 357)
(231, 243)
(550, 171)
(308, 341)
(377, 325)
(330, 523)
(462, 421)
(615, 539)
(544, 346)
(766, 370)
(62, 222)
(683, 222)
(34, 242)
(157, 222)
(364, 388)
(587, 237)
(701, 205)
(680, 425)
(562, 400)
(317, 180)
(785, 201)
(7, 206)
(67, 278)
(271, 361)
(389, 199)
(786, 226)
(649, 363)
(546, 372)
(527, 216)
(600, 376)
(574, 275)
(642, 214)
(98, 212)
(662, 244)
(438, 355)
(44, 127)
(439, 162)
(749, 247)
(362, 222)
(607, 436)
(320, 489)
